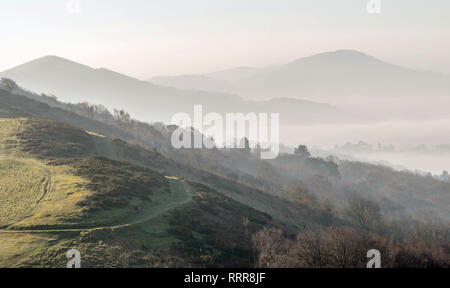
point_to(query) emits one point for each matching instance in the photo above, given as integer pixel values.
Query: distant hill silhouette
(74, 82)
(330, 74)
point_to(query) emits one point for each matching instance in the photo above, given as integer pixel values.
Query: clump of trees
(271, 249)
(334, 247)
(245, 144)
(50, 99)
(302, 152)
(363, 212)
(300, 195)
(344, 247)
(344, 243)
(122, 117)
(9, 84)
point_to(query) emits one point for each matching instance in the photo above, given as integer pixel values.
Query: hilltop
(74, 82)
(331, 74)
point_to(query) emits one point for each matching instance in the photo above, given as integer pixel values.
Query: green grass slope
(107, 197)
(60, 191)
(41, 140)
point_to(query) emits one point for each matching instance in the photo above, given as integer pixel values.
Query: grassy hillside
(211, 170)
(59, 192)
(68, 184)
(208, 231)
(45, 185)
(233, 173)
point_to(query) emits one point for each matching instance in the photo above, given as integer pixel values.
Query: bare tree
(341, 247)
(364, 212)
(122, 117)
(270, 248)
(9, 84)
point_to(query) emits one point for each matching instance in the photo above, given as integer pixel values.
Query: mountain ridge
(75, 83)
(334, 73)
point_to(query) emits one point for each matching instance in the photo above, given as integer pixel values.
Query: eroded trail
(180, 194)
(47, 186)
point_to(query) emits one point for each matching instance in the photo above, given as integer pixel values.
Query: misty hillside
(326, 179)
(68, 192)
(138, 208)
(73, 82)
(80, 188)
(249, 135)
(194, 82)
(147, 146)
(330, 74)
(220, 81)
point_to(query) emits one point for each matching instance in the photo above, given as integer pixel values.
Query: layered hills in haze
(74, 82)
(137, 202)
(330, 74)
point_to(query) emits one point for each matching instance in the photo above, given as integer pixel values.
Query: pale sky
(145, 38)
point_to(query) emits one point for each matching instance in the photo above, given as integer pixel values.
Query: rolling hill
(65, 187)
(74, 82)
(59, 191)
(326, 75)
(67, 183)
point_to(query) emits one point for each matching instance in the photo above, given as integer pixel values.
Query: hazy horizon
(150, 39)
(164, 38)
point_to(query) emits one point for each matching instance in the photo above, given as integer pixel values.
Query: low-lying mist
(415, 145)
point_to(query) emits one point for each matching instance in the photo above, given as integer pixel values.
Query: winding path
(180, 194)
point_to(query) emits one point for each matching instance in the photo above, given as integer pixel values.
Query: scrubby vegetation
(345, 247)
(115, 183)
(401, 242)
(48, 139)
